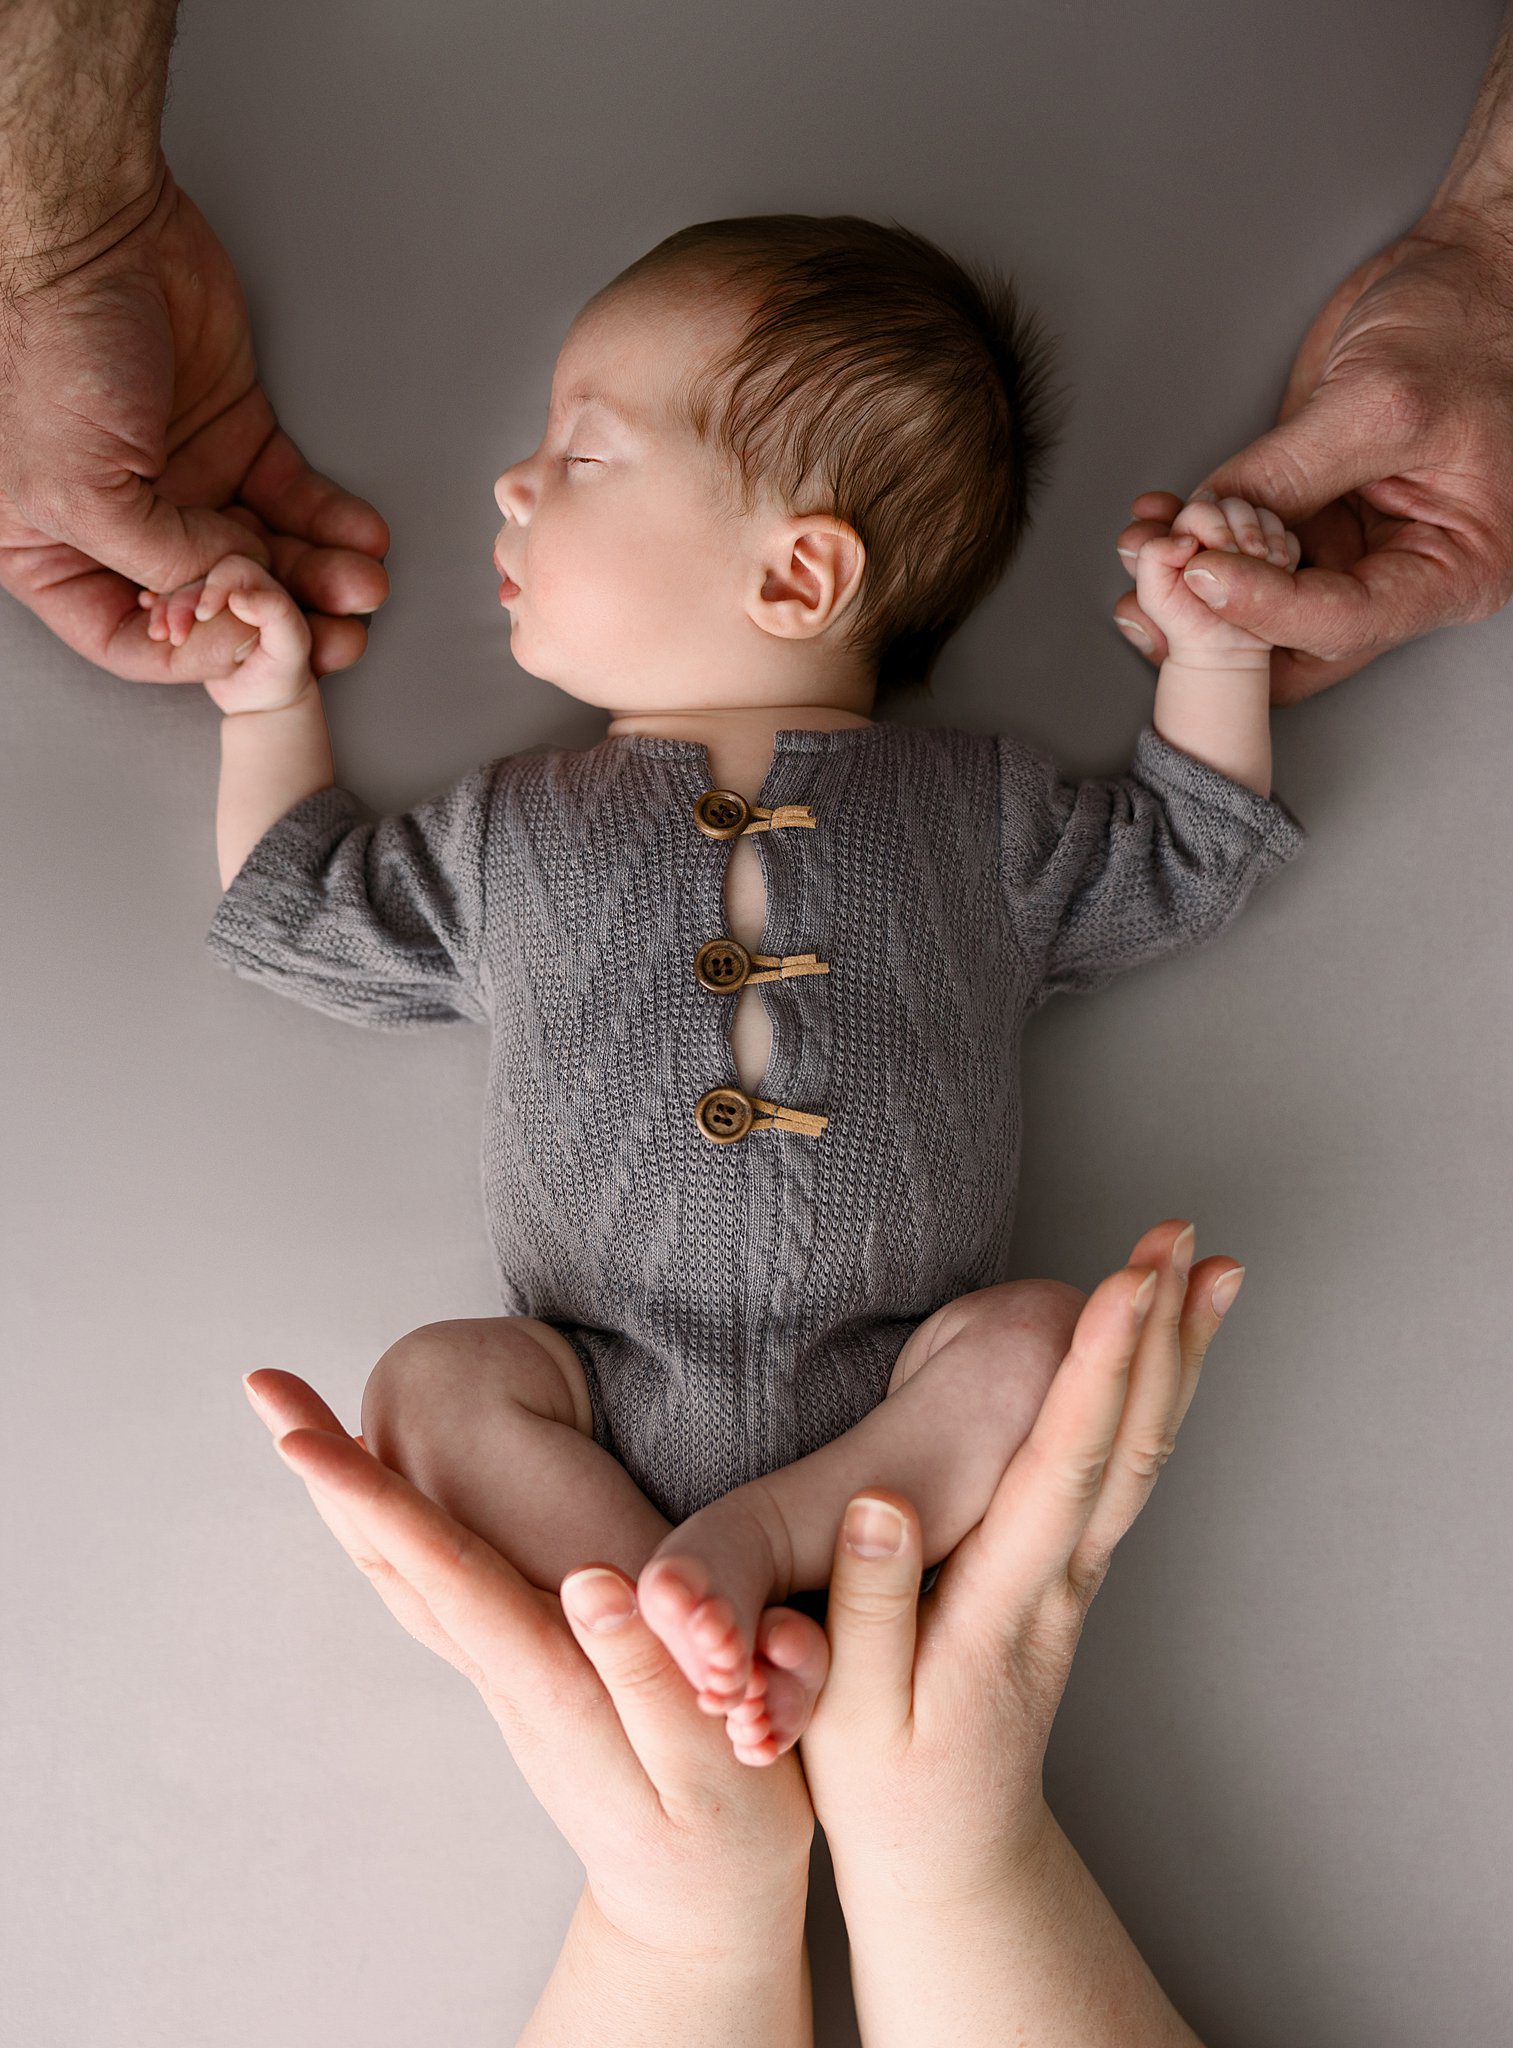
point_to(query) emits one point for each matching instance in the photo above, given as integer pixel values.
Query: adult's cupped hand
(1389, 460)
(137, 447)
(676, 1836)
(925, 1752)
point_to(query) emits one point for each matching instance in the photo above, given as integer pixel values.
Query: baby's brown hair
(881, 380)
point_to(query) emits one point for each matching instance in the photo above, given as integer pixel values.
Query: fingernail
(1134, 632)
(607, 1605)
(253, 1395)
(1225, 1290)
(1182, 1251)
(1145, 1294)
(1204, 493)
(1217, 595)
(240, 653)
(1126, 554)
(873, 1528)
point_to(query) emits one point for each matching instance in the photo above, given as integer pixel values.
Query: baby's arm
(275, 747)
(1213, 696)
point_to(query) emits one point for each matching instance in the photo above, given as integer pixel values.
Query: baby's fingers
(280, 624)
(1172, 550)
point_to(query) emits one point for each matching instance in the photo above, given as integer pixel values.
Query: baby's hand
(1230, 526)
(271, 669)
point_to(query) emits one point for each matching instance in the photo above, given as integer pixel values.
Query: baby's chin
(587, 689)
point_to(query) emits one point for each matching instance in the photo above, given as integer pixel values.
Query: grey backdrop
(246, 1808)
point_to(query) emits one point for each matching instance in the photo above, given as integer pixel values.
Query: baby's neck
(740, 741)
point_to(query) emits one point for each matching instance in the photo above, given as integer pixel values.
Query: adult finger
(1346, 434)
(97, 612)
(508, 1629)
(285, 1402)
(1212, 1289)
(333, 541)
(1162, 1380)
(1042, 1505)
(872, 1614)
(654, 1709)
(357, 583)
(1377, 576)
(1333, 621)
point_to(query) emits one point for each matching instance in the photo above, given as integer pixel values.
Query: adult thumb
(149, 540)
(652, 1698)
(872, 1612)
(1338, 440)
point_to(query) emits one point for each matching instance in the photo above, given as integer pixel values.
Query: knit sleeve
(1111, 873)
(374, 921)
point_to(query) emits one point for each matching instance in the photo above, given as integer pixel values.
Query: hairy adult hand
(924, 1756)
(137, 447)
(1392, 460)
(681, 1843)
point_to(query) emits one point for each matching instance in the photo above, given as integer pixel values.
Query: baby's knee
(1043, 1312)
(1025, 1326)
(453, 1368)
(420, 1372)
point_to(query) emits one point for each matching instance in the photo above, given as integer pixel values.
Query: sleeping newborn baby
(755, 965)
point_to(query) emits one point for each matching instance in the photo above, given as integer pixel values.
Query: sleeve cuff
(1168, 770)
(317, 819)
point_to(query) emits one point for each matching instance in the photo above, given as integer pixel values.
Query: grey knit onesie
(736, 1279)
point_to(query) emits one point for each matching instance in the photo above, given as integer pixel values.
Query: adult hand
(948, 1702)
(137, 447)
(686, 1850)
(1389, 461)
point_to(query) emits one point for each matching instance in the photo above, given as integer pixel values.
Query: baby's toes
(794, 1652)
(716, 1636)
(749, 1726)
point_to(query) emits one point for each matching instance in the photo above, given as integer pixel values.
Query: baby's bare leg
(966, 1388)
(956, 1411)
(490, 1417)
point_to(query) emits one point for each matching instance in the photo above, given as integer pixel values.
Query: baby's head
(785, 458)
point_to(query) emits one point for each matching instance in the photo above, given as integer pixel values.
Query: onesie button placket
(723, 965)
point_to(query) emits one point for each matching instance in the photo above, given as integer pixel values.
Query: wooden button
(724, 1114)
(722, 964)
(721, 813)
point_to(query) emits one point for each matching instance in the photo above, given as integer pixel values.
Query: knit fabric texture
(738, 1305)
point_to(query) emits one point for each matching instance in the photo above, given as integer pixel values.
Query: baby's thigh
(464, 1373)
(1007, 1340)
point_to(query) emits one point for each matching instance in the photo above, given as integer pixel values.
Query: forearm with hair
(1481, 171)
(82, 85)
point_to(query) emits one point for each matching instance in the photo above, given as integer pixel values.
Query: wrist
(46, 232)
(733, 1936)
(307, 693)
(881, 1886)
(606, 1986)
(1233, 661)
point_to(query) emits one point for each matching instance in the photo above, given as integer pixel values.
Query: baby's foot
(704, 1586)
(792, 1657)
